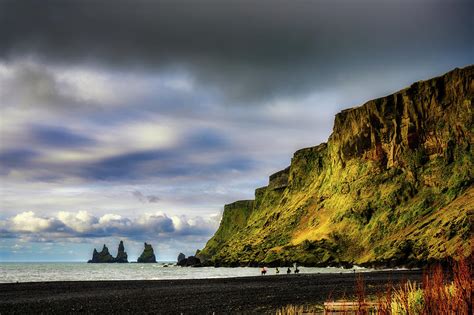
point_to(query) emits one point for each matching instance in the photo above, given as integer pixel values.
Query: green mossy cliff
(392, 186)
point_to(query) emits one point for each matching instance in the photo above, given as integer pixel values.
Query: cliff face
(392, 186)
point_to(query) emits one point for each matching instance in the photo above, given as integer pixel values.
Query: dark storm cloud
(125, 166)
(17, 158)
(32, 85)
(176, 161)
(199, 153)
(207, 139)
(58, 137)
(145, 198)
(160, 163)
(248, 49)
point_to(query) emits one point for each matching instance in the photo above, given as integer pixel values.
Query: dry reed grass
(442, 291)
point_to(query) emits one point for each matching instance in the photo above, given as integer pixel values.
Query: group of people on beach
(277, 270)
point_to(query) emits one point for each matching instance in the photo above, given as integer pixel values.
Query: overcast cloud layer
(141, 119)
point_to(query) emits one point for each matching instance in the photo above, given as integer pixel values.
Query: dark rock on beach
(148, 255)
(181, 256)
(191, 261)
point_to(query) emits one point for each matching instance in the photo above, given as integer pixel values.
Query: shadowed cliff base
(393, 186)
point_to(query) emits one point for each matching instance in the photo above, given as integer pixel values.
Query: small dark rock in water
(148, 256)
(121, 254)
(191, 261)
(102, 257)
(181, 256)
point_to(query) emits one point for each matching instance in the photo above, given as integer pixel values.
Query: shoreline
(256, 294)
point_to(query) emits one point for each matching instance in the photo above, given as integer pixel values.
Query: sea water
(77, 271)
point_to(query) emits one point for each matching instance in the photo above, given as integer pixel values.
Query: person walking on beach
(297, 271)
(288, 271)
(264, 271)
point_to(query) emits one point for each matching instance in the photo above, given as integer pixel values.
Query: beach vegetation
(443, 290)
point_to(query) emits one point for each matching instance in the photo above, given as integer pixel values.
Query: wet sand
(260, 294)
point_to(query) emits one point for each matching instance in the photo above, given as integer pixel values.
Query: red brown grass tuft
(443, 291)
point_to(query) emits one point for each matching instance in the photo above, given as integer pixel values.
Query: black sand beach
(260, 294)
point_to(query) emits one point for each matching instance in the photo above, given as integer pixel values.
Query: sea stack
(121, 254)
(105, 257)
(102, 257)
(148, 255)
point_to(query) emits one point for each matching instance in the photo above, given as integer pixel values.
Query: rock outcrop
(191, 261)
(392, 186)
(102, 256)
(181, 256)
(148, 255)
(122, 256)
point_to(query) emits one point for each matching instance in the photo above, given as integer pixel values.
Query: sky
(138, 120)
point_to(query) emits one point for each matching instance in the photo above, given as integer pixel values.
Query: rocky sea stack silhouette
(148, 255)
(105, 257)
(121, 254)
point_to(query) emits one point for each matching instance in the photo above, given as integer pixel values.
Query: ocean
(79, 271)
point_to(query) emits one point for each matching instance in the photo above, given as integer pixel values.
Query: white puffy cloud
(191, 225)
(70, 225)
(81, 221)
(110, 219)
(28, 222)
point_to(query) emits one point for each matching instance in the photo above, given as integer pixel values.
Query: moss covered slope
(392, 186)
